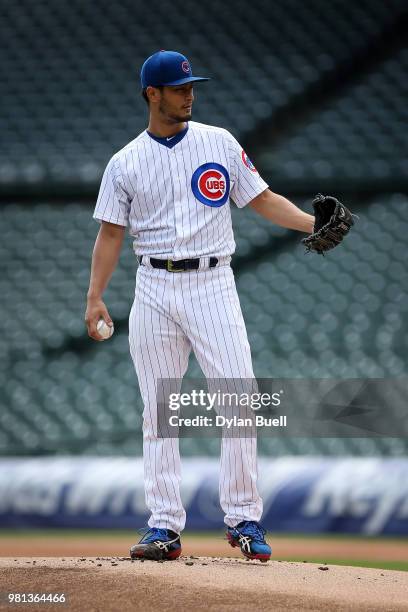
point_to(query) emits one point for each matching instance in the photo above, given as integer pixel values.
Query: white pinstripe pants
(173, 313)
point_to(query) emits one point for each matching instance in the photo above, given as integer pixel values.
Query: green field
(108, 533)
(387, 565)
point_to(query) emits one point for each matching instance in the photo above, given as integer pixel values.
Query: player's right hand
(95, 310)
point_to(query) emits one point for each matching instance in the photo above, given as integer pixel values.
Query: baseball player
(172, 186)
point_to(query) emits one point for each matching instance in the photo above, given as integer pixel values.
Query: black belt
(182, 265)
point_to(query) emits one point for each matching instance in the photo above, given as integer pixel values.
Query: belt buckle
(171, 268)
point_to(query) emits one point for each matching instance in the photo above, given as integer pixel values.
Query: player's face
(176, 103)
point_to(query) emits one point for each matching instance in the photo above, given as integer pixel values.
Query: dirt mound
(109, 584)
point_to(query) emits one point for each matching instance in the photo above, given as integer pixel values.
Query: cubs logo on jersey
(247, 162)
(211, 184)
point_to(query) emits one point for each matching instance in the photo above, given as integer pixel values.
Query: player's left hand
(332, 223)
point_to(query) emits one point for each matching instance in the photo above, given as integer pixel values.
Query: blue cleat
(157, 545)
(250, 537)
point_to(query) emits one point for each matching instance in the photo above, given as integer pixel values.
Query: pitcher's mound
(201, 584)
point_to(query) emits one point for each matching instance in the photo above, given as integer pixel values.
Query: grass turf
(112, 533)
(386, 565)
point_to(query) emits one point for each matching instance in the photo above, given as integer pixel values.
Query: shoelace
(154, 533)
(253, 529)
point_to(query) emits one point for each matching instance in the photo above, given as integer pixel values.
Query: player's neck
(164, 130)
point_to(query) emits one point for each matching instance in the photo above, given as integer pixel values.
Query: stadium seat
(306, 317)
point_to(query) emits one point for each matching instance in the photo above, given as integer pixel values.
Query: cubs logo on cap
(167, 68)
(247, 162)
(211, 184)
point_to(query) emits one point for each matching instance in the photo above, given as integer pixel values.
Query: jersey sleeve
(246, 183)
(113, 202)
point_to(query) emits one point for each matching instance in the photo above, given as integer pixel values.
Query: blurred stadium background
(315, 91)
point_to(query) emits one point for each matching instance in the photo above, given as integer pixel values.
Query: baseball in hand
(104, 330)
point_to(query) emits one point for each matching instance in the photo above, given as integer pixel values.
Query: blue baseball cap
(167, 68)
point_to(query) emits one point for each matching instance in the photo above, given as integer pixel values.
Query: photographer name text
(222, 421)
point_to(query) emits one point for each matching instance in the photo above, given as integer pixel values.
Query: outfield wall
(301, 494)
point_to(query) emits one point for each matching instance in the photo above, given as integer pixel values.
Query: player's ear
(153, 94)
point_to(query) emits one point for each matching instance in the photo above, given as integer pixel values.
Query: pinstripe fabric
(172, 314)
(147, 186)
(175, 199)
(159, 349)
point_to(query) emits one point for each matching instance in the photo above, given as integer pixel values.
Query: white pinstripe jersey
(174, 194)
